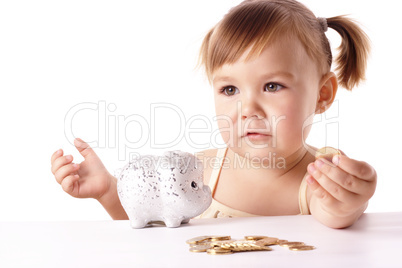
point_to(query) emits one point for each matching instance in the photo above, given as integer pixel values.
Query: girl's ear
(326, 96)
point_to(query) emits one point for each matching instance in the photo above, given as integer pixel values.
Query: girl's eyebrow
(286, 74)
(220, 78)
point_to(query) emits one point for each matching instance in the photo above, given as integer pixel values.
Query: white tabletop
(374, 241)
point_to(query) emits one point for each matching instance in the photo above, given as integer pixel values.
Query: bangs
(255, 25)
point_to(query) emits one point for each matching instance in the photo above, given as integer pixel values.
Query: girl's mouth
(256, 135)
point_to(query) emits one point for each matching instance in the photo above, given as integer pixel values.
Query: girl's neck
(271, 166)
(262, 191)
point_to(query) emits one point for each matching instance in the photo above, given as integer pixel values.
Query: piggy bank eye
(194, 185)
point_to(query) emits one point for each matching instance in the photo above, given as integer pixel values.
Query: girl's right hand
(89, 179)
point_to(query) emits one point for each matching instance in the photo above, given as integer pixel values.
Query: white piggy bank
(166, 188)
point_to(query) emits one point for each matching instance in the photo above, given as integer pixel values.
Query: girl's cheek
(226, 129)
(289, 129)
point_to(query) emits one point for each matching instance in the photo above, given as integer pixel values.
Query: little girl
(269, 63)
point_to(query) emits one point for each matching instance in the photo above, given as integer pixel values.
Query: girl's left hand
(341, 187)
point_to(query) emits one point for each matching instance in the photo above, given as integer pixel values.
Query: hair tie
(323, 23)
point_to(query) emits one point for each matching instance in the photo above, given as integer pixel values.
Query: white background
(115, 58)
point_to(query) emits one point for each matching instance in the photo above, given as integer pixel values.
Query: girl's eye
(230, 90)
(272, 87)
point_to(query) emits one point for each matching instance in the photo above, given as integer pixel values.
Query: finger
(334, 189)
(84, 148)
(69, 183)
(56, 154)
(359, 169)
(61, 161)
(340, 177)
(320, 193)
(65, 171)
(342, 152)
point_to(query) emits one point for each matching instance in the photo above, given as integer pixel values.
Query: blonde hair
(255, 24)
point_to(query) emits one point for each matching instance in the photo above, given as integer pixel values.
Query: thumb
(84, 148)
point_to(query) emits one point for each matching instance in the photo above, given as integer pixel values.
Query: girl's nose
(251, 107)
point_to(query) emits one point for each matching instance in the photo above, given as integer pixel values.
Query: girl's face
(267, 103)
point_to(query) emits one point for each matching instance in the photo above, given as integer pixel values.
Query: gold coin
(248, 245)
(202, 243)
(197, 239)
(244, 248)
(219, 251)
(205, 243)
(300, 248)
(266, 248)
(245, 241)
(327, 153)
(219, 238)
(220, 243)
(291, 244)
(255, 237)
(282, 241)
(199, 248)
(225, 244)
(268, 241)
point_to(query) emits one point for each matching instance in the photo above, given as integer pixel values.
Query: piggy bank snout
(200, 186)
(207, 193)
(206, 190)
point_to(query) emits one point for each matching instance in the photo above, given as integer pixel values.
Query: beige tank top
(219, 210)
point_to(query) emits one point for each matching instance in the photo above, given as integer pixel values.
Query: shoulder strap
(303, 204)
(326, 152)
(213, 180)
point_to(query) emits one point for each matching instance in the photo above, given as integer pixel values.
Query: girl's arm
(88, 179)
(111, 202)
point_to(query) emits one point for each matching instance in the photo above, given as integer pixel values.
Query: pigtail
(353, 51)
